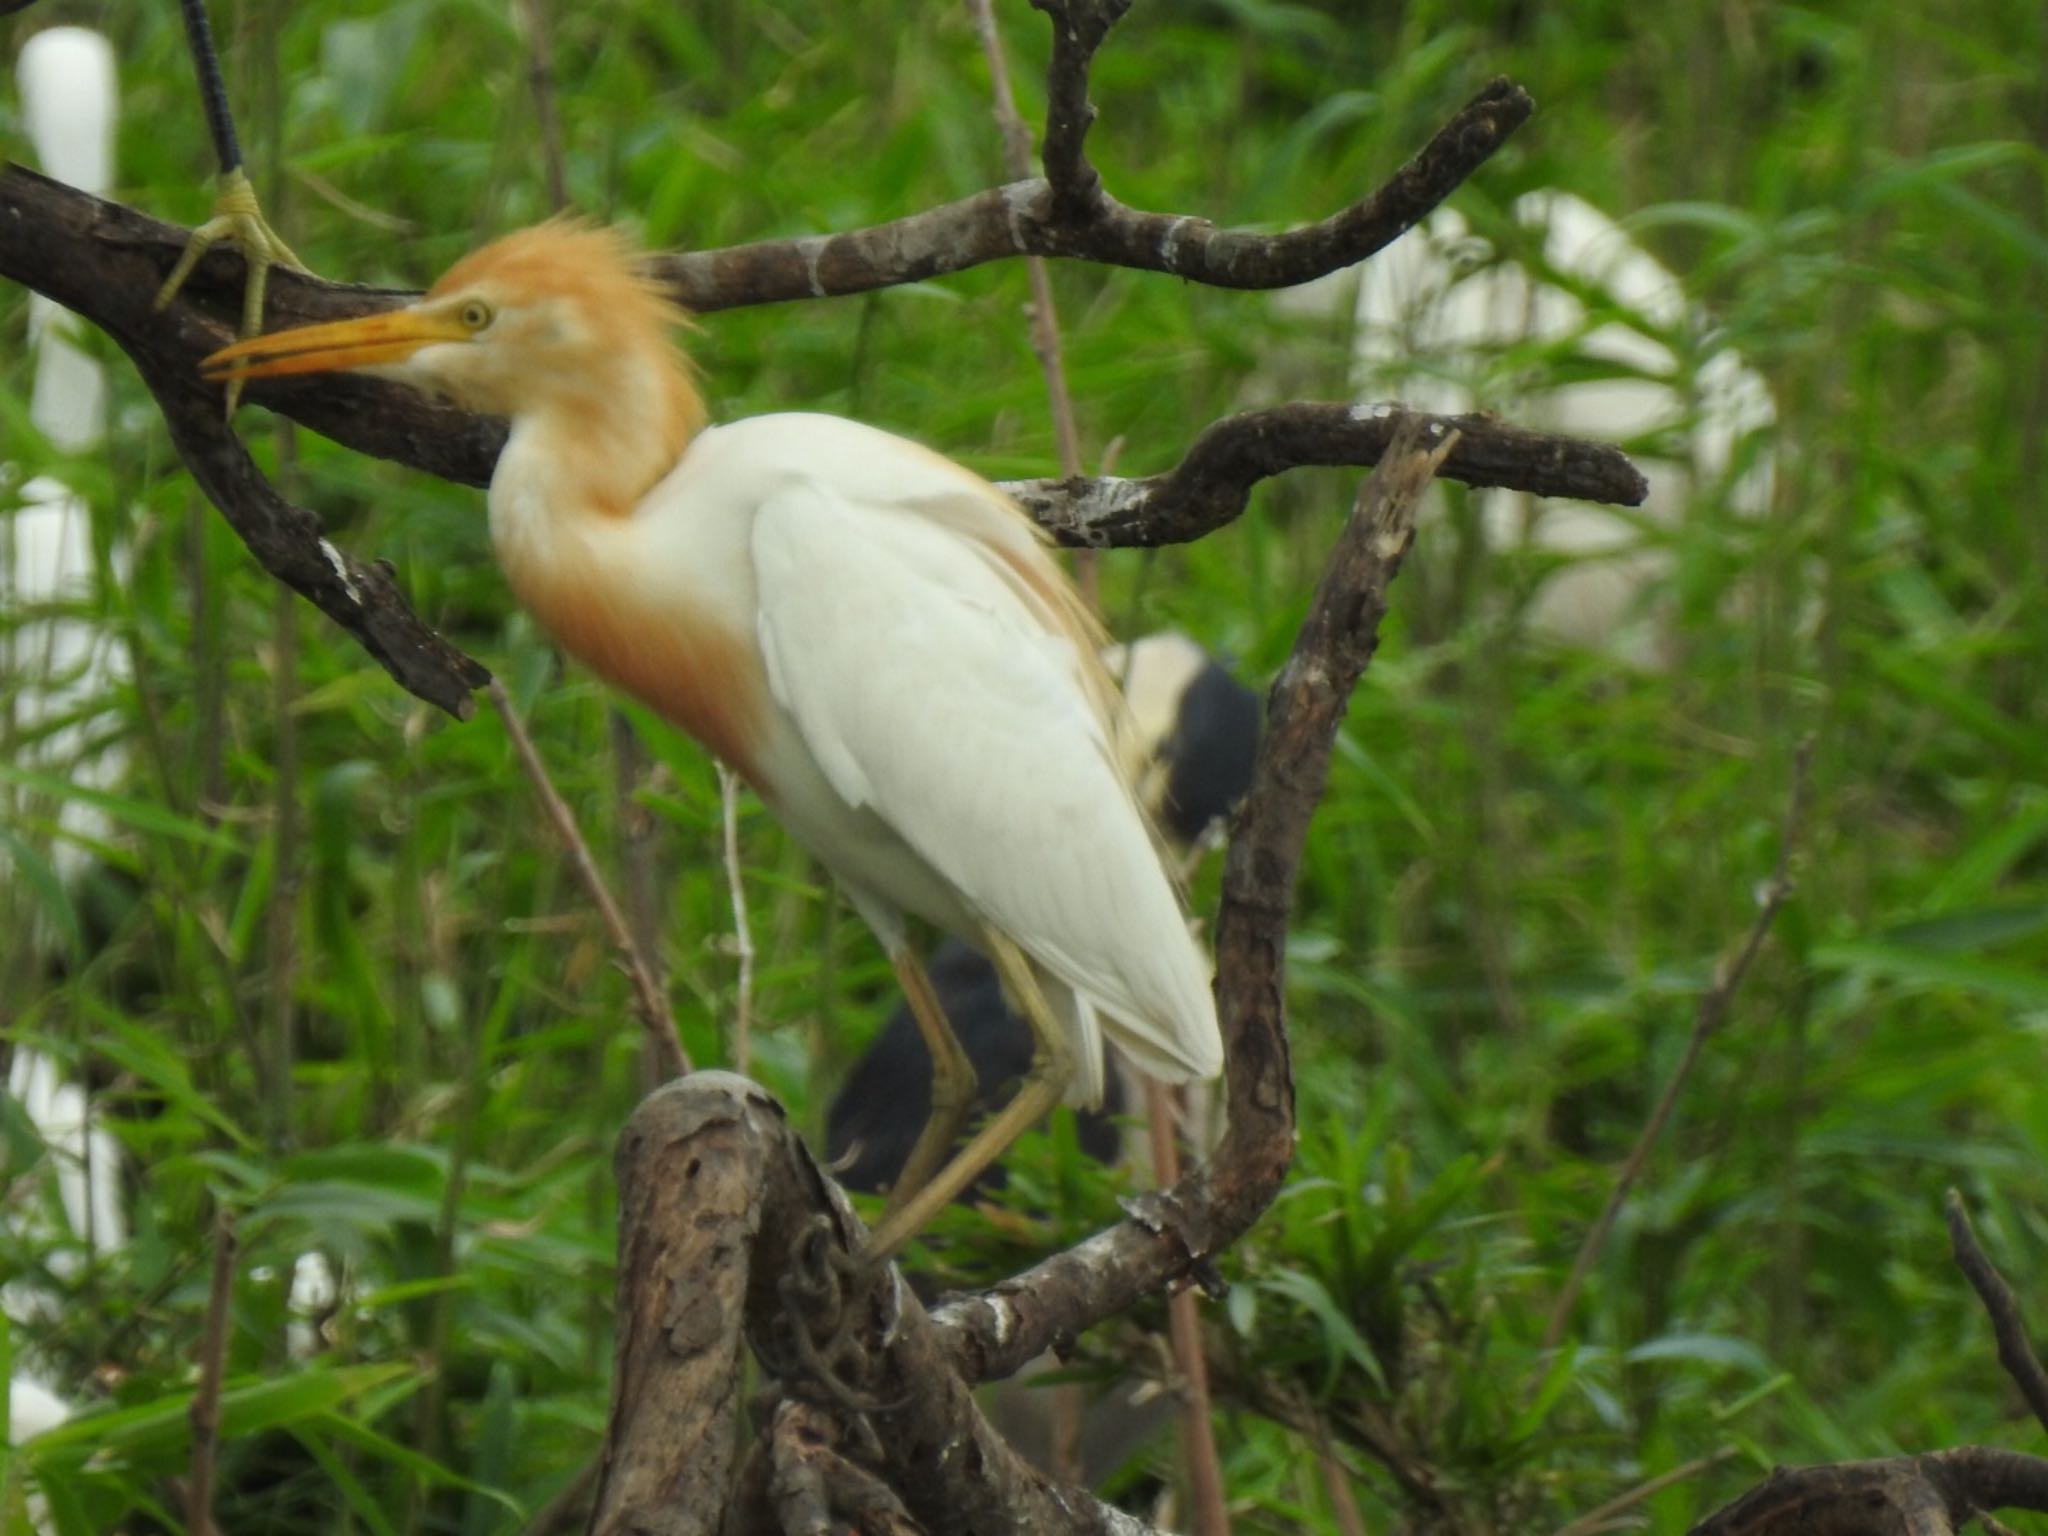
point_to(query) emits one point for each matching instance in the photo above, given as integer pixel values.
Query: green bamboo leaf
(137, 815)
(1933, 970)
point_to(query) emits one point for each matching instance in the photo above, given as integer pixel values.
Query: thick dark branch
(2008, 1327)
(1213, 483)
(689, 1175)
(1174, 1234)
(1025, 218)
(1931, 1495)
(722, 1213)
(1020, 219)
(286, 540)
(81, 252)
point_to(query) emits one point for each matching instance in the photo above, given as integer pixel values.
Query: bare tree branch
(363, 598)
(1026, 218)
(1078, 28)
(2008, 1327)
(1931, 1495)
(204, 1411)
(1175, 1233)
(650, 999)
(105, 261)
(685, 1200)
(1213, 483)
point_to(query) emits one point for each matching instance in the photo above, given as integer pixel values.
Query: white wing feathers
(930, 689)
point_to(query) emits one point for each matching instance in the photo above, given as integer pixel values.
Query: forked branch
(1930, 1495)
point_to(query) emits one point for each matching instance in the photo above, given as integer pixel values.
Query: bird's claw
(237, 217)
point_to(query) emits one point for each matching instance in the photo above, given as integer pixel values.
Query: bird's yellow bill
(329, 348)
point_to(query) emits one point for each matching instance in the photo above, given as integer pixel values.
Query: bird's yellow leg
(237, 216)
(1052, 1068)
(953, 1079)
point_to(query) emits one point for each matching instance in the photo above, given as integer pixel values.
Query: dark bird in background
(1194, 731)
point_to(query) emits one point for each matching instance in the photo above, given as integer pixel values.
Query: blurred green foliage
(348, 989)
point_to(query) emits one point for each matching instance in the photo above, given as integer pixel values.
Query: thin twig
(1045, 319)
(2008, 1326)
(1337, 1484)
(533, 18)
(1184, 1329)
(281, 918)
(1184, 1326)
(649, 1002)
(1713, 1013)
(204, 1412)
(1594, 1519)
(639, 830)
(742, 932)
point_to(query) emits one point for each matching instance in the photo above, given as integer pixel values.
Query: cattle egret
(878, 640)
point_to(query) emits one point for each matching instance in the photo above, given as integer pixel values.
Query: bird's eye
(476, 314)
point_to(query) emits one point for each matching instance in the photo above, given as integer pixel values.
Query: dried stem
(1597, 1519)
(742, 932)
(1337, 1486)
(204, 1412)
(2008, 1326)
(281, 919)
(1712, 1014)
(1184, 1330)
(639, 831)
(534, 20)
(650, 1004)
(1080, 186)
(1045, 319)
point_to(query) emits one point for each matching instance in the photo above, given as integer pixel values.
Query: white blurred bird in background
(62, 669)
(1595, 339)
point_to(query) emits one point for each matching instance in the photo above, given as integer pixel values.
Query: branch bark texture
(1931, 1495)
